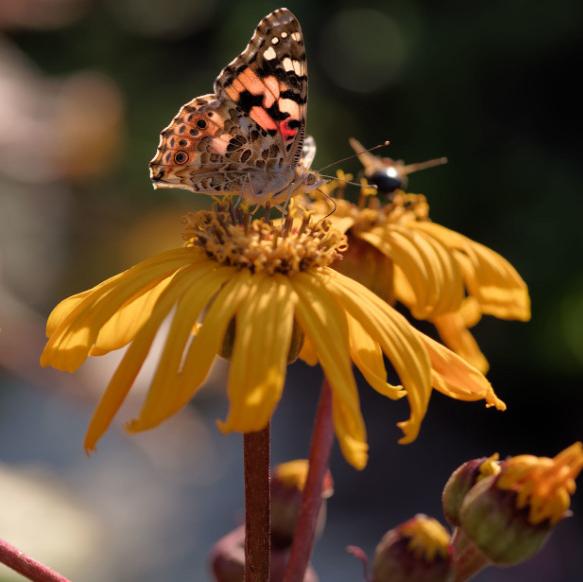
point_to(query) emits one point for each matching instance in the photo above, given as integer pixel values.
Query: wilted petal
(455, 335)
(456, 378)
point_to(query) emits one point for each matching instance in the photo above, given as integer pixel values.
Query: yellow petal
(68, 305)
(68, 347)
(470, 312)
(129, 367)
(308, 352)
(127, 321)
(208, 341)
(63, 309)
(203, 285)
(433, 279)
(398, 340)
(323, 321)
(457, 379)
(367, 265)
(258, 365)
(368, 357)
(455, 335)
(489, 277)
(341, 223)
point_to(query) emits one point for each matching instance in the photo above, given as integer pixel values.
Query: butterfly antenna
(378, 146)
(346, 181)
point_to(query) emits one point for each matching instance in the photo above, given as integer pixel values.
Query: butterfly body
(246, 138)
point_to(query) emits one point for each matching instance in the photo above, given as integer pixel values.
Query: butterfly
(247, 137)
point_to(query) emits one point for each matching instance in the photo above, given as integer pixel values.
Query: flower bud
(462, 480)
(287, 484)
(417, 550)
(227, 560)
(509, 516)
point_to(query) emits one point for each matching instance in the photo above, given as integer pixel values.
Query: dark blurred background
(85, 88)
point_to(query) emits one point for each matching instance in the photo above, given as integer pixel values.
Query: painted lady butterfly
(246, 138)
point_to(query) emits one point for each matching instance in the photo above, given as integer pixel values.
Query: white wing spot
(269, 54)
(274, 40)
(296, 36)
(297, 67)
(284, 35)
(287, 64)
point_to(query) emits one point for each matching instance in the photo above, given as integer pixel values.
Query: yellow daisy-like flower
(440, 275)
(256, 290)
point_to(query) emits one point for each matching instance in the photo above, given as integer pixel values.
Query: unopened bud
(461, 481)
(287, 485)
(227, 560)
(509, 516)
(417, 550)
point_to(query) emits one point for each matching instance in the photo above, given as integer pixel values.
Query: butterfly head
(310, 180)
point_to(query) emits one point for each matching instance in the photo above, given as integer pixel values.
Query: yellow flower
(440, 275)
(242, 287)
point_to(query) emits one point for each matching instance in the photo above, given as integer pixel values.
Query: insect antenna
(346, 181)
(329, 200)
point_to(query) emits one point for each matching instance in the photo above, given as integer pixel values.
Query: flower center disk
(231, 236)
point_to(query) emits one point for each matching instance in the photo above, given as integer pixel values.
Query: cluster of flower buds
(502, 512)
(287, 484)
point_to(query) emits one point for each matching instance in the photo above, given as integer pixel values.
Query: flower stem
(257, 506)
(467, 558)
(320, 447)
(23, 564)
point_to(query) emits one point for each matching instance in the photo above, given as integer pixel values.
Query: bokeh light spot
(362, 50)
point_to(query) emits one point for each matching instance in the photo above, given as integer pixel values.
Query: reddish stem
(257, 506)
(23, 564)
(320, 447)
(467, 558)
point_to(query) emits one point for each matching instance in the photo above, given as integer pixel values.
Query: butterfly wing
(308, 152)
(269, 81)
(253, 124)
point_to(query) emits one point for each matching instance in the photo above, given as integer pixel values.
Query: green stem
(257, 506)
